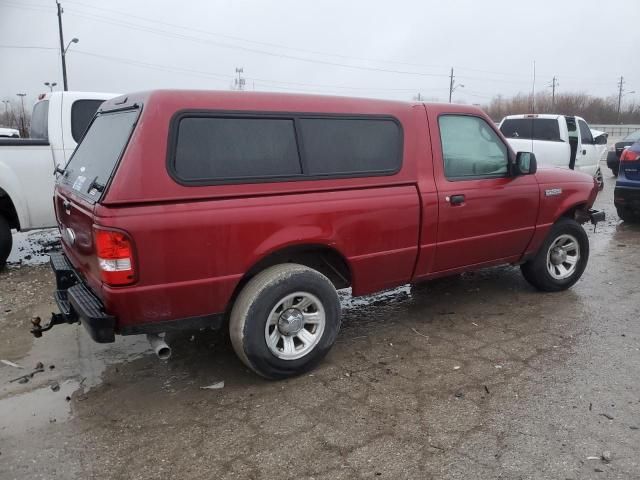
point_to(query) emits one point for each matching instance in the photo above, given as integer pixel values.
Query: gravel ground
(475, 376)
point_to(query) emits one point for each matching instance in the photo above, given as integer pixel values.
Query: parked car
(613, 156)
(626, 195)
(557, 140)
(9, 133)
(185, 209)
(58, 122)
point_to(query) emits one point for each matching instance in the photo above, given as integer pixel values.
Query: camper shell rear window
(94, 160)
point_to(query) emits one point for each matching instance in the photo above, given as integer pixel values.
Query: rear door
(485, 215)
(83, 182)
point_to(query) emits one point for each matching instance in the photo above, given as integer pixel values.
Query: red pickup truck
(196, 209)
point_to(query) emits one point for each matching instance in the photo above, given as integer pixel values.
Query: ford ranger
(196, 209)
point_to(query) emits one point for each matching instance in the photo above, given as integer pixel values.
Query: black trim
(18, 142)
(172, 144)
(498, 133)
(213, 322)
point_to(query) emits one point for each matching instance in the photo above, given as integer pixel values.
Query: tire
(600, 179)
(6, 241)
(264, 312)
(627, 215)
(615, 170)
(537, 271)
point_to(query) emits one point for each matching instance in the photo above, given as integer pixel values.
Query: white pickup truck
(27, 166)
(557, 140)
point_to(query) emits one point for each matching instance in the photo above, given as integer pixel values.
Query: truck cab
(556, 140)
(27, 165)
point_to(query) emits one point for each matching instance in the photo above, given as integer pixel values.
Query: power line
(256, 42)
(247, 49)
(28, 47)
(283, 85)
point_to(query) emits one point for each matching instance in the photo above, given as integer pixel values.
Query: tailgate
(83, 183)
(75, 220)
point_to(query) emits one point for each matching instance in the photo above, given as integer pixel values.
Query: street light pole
(62, 49)
(50, 85)
(23, 133)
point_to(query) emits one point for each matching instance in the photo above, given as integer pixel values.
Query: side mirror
(525, 164)
(601, 139)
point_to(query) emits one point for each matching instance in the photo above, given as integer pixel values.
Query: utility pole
(554, 84)
(62, 49)
(533, 89)
(6, 107)
(620, 90)
(451, 85)
(239, 82)
(23, 132)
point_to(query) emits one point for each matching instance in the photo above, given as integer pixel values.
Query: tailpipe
(160, 347)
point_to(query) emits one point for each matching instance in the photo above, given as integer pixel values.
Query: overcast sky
(389, 49)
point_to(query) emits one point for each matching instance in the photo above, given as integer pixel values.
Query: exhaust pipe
(160, 347)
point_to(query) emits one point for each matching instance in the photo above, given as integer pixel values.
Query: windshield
(531, 128)
(632, 137)
(93, 162)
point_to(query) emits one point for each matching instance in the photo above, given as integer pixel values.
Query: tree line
(593, 109)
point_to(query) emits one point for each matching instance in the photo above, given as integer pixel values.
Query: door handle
(584, 152)
(457, 199)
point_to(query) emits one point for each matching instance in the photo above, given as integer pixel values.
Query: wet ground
(476, 376)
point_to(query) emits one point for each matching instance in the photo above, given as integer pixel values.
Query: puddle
(37, 408)
(348, 302)
(33, 247)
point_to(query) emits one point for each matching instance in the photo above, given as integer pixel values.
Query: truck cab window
(585, 133)
(40, 120)
(82, 111)
(471, 148)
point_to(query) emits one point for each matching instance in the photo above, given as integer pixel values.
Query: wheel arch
(323, 258)
(8, 210)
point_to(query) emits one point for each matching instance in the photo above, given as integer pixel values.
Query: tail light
(629, 155)
(114, 249)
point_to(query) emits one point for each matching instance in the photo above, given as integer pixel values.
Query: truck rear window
(93, 162)
(532, 129)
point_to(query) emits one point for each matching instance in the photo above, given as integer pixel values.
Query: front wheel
(599, 180)
(285, 320)
(6, 241)
(561, 260)
(627, 215)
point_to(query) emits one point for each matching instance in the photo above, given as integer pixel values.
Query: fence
(616, 131)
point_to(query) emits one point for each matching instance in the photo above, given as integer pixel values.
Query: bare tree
(593, 109)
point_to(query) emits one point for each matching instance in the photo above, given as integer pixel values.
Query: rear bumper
(77, 303)
(627, 197)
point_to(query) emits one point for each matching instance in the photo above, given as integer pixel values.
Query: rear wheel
(614, 170)
(6, 241)
(285, 320)
(562, 258)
